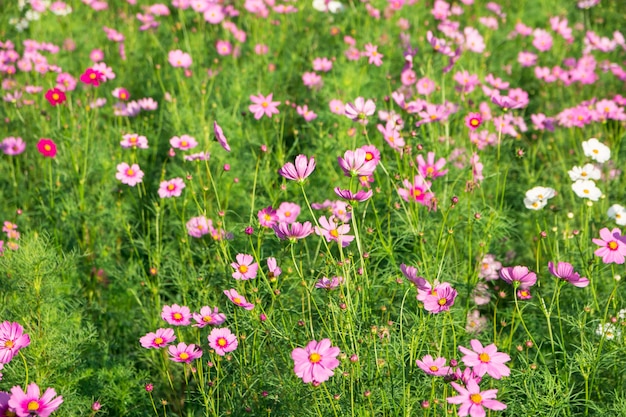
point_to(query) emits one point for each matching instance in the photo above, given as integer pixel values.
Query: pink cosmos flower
(440, 298)
(267, 217)
(133, 140)
(306, 113)
(55, 96)
(208, 316)
(171, 188)
(162, 337)
(359, 196)
(612, 249)
(223, 47)
(198, 226)
(565, 271)
(184, 142)
(176, 315)
(238, 299)
(374, 57)
(486, 360)
(12, 146)
(184, 353)
(129, 175)
(179, 59)
(288, 212)
(355, 164)
(312, 80)
(222, 340)
(392, 135)
(410, 272)
(315, 363)
(435, 367)
(263, 106)
(518, 276)
(294, 231)
(329, 284)
(431, 169)
(425, 86)
(322, 64)
(245, 267)
(273, 269)
(334, 232)
(473, 120)
(121, 93)
(418, 191)
(219, 135)
(474, 401)
(92, 77)
(30, 403)
(360, 110)
(300, 171)
(12, 339)
(337, 107)
(47, 148)
(489, 268)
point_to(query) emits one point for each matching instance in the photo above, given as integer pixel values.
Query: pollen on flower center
(287, 214)
(334, 233)
(207, 319)
(595, 151)
(264, 104)
(243, 269)
(158, 341)
(474, 122)
(171, 187)
(612, 245)
(417, 193)
(8, 344)
(484, 358)
(47, 147)
(92, 76)
(237, 300)
(315, 357)
(55, 96)
(184, 143)
(130, 172)
(221, 342)
(177, 316)
(434, 368)
(430, 170)
(442, 301)
(369, 156)
(476, 398)
(33, 406)
(184, 356)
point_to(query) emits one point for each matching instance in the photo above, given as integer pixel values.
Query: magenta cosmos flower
(612, 249)
(47, 148)
(184, 353)
(565, 271)
(486, 360)
(171, 188)
(162, 337)
(92, 77)
(263, 106)
(474, 401)
(316, 361)
(176, 315)
(222, 340)
(219, 135)
(29, 403)
(360, 110)
(518, 276)
(300, 171)
(440, 298)
(430, 168)
(129, 175)
(12, 339)
(293, 231)
(473, 120)
(331, 230)
(55, 96)
(208, 316)
(435, 367)
(238, 299)
(245, 267)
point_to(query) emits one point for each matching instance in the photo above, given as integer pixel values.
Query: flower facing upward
(30, 403)
(474, 401)
(430, 168)
(596, 150)
(222, 340)
(184, 142)
(518, 276)
(133, 140)
(262, 105)
(435, 367)
(176, 315)
(360, 110)
(171, 188)
(12, 339)
(473, 121)
(198, 226)
(486, 360)
(612, 248)
(208, 316)
(184, 353)
(332, 231)
(565, 271)
(179, 59)
(440, 298)
(162, 337)
(300, 171)
(316, 361)
(267, 217)
(219, 134)
(129, 175)
(12, 146)
(245, 267)
(55, 96)
(92, 77)
(47, 148)
(417, 192)
(238, 299)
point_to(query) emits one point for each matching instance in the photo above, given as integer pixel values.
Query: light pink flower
(184, 142)
(208, 316)
(131, 140)
(316, 361)
(184, 353)
(565, 271)
(332, 231)
(431, 169)
(162, 337)
(219, 135)
(12, 339)
(238, 299)
(171, 188)
(262, 105)
(30, 403)
(222, 340)
(612, 249)
(130, 175)
(245, 267)
(474, 401)
(360, 110)
(176, 315)
(179, 59)
(300, 171)
(486, 360)
(198, 226)
(435, 367)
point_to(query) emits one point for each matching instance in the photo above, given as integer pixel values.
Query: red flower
(47, 148)
(55, 96)
(92, 77)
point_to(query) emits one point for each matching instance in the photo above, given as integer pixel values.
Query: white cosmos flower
(537, 197)
(587, 172)
(596, 150)
(587, 189)
(608, 330)
(327, 6)
(618, 213)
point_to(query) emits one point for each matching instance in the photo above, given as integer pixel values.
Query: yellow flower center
(264, 104)
(184, 144)
(237, 300)
(47, 148)
(207, 319)
(474, 122)
(334, 233)
(55, 96)
(122, 96)
(243, 269)
(158, 341)
(430, 170)
(171, 187)
(442, 301)
(133, 139)
(92, 76)
(315, 357)
(434, 368)
(484, 358)
(184, 356)
(287, 214)
(595, 151)
(8, 344)
(221, 342)
(416, 193)
(369, 156)
(177, 316)
(476, 398)
(612, 245)
(130, 172)
(33, 406)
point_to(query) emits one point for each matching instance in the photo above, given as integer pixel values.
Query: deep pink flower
(565, 271)
(55, 96)
(473, 120)
(360, 110)
(171, 188)
(47, 148)
(474, 401)
(430, 168)
(316, 361)
(440, 298)
(263, 106)
(12, 339)
(176, 315)
(418, 191)
(612, 249)
(208, 316)
(92, 77)
(435, 367)
(293, 231)
(486, 360)
(410, 272)
(359, 196)
(300, 171)
(245, 267)
(518, 276)
(267, 217)
(222, 340)
(184, 353)
(331, 230)
(162, 337)
(29, 403)
(238, 299)
(219, 135)
(129, 175)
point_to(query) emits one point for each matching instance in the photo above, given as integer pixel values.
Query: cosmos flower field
(327, 208)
